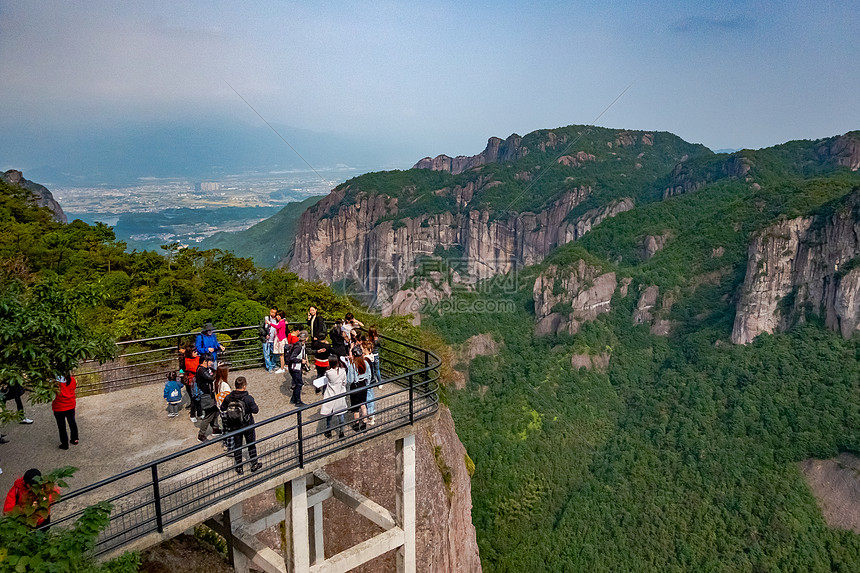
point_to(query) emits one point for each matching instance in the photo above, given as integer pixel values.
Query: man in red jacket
(64, 410)
(23, 496)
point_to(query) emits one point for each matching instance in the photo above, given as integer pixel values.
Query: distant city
(156, 211)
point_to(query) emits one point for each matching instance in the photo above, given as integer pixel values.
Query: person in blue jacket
(207, 343)
(173, 395)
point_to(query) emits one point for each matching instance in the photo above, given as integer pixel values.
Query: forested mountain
(267, 242)
(589, 282)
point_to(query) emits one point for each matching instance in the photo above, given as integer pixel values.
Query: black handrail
(149, 498)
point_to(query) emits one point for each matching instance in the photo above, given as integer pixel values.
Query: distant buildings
(208, 186)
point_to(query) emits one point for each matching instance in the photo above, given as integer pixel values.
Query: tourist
(321, 358)
(173, 395)
(15, 392)
(239, 408)
(336, 389)
(190, 360)
(367, 353)
(374, 338)
(222, 390)
(352, 321)
(339, 344)
(205, 380)
(270, 334)
(24, 494)
(207, 342)
(316, 328)
(357, 376)
(297, 361)
(280, 326)
(64, 410)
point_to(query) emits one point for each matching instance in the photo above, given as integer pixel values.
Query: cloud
(712, 24)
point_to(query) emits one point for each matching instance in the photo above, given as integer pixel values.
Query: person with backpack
(189, 361)
(207, 342)
(297, 361)
(239, 408)
(173, 395)
(205, 379)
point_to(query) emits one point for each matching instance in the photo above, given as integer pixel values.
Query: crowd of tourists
(344, 355)
(345, 358)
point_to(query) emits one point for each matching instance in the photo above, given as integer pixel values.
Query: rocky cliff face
(843, 150)
(365, 242)
(497, 150)
(803, 265)
(446, 541)
(42, 196)
(687, 178)
(564, 299)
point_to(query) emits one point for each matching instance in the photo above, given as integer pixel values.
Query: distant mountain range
(125, 153)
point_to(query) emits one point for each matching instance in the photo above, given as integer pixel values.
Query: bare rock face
(843, 150)
(586, 289)
(651, 245)
(576, 159)
(687, 179)
(497, 150)
(480, 345)
(599, 362)
(336, 241)
(445, 536)
(42, 196)
(807, 264)
(413, 300)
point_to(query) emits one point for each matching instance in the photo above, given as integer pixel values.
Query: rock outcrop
(802, 265)
(497, 150)
(598, 362)
(366, 244)
(843, 150)
(42, 196)
(647, 312)
(689, 177)
(651, 245)
(566, 298)
(445, 535)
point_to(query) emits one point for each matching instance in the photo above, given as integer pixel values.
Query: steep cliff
(565, 298)
(365, 243)
(445, 534)
(800, 266)
(482, 215)
(42, 196)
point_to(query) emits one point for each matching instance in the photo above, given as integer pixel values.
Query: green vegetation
(683, 455)
(267, 242)
(24, 549)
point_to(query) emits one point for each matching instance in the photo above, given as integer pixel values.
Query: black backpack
(263, 331)
(236, 413)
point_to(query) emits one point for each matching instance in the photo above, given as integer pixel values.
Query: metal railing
(152, 496)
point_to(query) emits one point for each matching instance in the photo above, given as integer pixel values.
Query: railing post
(411, 401)
(301, 445)
(159, 520)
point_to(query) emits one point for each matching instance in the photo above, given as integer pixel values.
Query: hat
(356, 351)
(208, 326)
(303, 334)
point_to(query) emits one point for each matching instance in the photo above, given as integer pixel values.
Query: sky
(438, 77)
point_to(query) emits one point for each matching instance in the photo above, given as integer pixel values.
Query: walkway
(124, 430)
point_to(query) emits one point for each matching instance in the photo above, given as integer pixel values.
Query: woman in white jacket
(335, 386)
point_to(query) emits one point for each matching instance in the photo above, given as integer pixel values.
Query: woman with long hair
(335, 388)
(358, 376)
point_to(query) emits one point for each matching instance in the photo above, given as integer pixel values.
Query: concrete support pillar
(233, 520)
(405, 513)
(287, 538)
(315, 518)
(300, 532)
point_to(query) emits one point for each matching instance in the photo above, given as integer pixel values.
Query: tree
(42, 337)
(24, 549)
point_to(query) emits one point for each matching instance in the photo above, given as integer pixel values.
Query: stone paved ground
(128, 428)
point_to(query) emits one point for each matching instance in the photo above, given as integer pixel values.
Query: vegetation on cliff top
(681, 456)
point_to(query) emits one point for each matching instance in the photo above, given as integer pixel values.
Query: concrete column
(405, 514)
(233, 521)
(299, 514)
(287, 538)
(315, 518)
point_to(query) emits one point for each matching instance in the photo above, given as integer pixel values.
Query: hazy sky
(440, 76)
